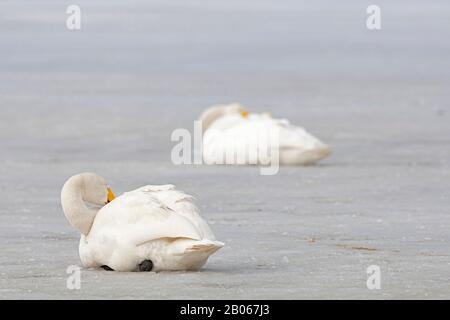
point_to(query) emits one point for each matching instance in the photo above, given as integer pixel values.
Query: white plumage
(229, 129)
(156, 223)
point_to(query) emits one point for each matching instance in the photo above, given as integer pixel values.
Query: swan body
(157, 225)
(230, 127)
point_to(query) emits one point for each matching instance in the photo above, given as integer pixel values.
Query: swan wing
(143, 215)
(182, 205)
(259, 127)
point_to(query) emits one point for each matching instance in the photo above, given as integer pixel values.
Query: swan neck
(74, 207)
(211, 115)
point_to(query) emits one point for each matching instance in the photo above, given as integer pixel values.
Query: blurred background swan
(232, 129)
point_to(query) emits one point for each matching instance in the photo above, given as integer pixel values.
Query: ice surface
(107, 98)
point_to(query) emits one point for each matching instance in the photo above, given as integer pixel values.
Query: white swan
(153, 228)
(231, 128)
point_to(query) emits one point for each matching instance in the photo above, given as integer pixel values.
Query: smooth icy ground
(107, 98)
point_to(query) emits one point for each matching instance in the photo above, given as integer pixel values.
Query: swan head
(95, 189)
(215, 112)
(81, 189)
(235, 108)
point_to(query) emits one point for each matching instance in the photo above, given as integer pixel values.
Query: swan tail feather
(205, 246)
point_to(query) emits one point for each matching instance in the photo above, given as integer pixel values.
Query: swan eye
(146, 266)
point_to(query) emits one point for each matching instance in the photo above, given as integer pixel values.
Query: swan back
(149, 213)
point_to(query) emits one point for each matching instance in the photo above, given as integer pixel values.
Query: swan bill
(244, 114)
(111, 196)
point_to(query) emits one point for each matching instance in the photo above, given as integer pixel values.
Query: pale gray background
(107, 98)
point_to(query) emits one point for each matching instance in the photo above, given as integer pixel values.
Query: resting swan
(153, 228)
(231, 126)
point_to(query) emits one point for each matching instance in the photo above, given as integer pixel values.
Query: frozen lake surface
(107, 98)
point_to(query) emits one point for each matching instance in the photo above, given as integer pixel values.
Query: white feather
(155, 223)
(231, 132)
